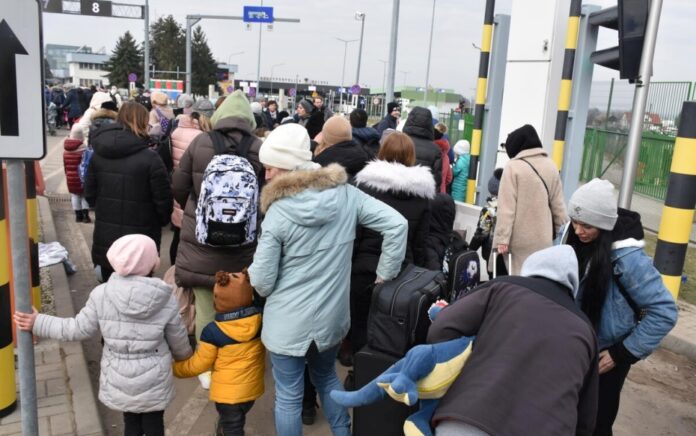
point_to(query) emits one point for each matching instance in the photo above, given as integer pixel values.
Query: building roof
(92, 58)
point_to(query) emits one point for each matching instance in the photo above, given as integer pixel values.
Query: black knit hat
(391, 106)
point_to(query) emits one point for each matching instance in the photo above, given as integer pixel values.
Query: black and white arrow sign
(22, 116)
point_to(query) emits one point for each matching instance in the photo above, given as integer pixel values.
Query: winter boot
(85, 216)
(79, 216)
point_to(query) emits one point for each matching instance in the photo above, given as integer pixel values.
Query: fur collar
(105, 113)
(386, 176)
(294, 182)
(628, 243)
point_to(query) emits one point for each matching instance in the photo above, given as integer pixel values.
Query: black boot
(78, 216)
(85, 216)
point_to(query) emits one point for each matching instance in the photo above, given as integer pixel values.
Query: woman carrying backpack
(621, 292)
(196, 262)
(127, 184)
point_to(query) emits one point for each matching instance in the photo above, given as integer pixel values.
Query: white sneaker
(205, 380)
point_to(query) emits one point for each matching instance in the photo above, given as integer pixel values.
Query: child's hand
(25, 321)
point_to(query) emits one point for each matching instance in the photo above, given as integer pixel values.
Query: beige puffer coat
(139, 320)
(524, 218)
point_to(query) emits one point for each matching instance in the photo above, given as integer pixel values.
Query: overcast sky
(310, 49)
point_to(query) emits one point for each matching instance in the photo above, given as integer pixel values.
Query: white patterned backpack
(226, 212)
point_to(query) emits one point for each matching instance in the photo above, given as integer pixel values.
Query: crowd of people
(284, 223)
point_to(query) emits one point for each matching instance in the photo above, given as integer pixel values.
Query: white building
(86, 69)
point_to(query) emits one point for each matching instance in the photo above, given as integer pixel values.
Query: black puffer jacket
(442, 212)
(419, 126)
(128, 185)
(368, 138)
(408, 190)
(348, 154)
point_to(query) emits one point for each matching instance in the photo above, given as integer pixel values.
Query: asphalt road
(659, 397)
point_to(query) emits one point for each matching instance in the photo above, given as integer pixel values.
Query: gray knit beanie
(594, 204)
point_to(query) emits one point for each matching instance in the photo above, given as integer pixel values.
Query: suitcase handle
(495, 263)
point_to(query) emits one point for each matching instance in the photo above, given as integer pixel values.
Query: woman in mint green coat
(461, 170)
(302, 266)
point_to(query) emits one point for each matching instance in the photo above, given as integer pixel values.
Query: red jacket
(446, 169)
(74, 148)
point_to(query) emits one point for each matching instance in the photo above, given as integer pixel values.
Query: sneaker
(309, 413)
(205, 380)
(85, 216)
(78, 216)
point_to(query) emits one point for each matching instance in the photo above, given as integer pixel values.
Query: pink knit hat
(133, 255)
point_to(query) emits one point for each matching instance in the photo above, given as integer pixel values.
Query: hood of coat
(104, 114)
(233, 123)
(71, 144)
(365, 134)
(242, 330)
(558, 263)
(524, 138)
(443, 144)
(137, 297)
(311, 203)
(186, 122)
(419, 123)
(235, 105)
(628, 231)
(397, 178)
(114, 141)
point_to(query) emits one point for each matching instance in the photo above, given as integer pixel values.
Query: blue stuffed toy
(425, 374)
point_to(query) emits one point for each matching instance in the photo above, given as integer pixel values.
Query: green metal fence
(456, 129)
(603, 157)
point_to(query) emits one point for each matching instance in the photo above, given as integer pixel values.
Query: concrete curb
(84, 405)
(681, 339)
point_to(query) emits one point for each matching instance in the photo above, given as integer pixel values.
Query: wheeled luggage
(464, 274)
(398, 317)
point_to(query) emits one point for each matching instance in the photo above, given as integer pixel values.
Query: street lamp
(361, 17)
(430, 49)
(229, 58)
(272, 68)
(345, 52)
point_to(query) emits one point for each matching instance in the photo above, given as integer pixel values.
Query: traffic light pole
(639, 102)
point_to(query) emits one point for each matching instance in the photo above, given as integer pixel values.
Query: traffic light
(630, 18)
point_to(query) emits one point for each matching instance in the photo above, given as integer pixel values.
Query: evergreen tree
(126, 58)
(168, 47)
(204, 67)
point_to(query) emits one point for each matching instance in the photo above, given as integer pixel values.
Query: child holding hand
(139, 320)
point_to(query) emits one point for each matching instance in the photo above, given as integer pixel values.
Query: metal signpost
(21, 137)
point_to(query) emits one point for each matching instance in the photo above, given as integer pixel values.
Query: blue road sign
(258, 14)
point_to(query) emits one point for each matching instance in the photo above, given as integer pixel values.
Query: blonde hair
(134, 117)
(398, 147)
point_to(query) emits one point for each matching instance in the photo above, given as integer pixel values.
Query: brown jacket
(196, 264)
(524, 218)
(533, 369)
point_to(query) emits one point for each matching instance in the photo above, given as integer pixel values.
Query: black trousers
(232, 418)
(174, 247)
(139, 424)
(610, 385)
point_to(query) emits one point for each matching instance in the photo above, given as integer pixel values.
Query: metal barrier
(603, 157)
(458, 126)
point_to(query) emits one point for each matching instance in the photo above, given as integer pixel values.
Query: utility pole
(258, 60)
(384, 73)
(146, 45)
(392, 53)
(430, 50)
(360, 16)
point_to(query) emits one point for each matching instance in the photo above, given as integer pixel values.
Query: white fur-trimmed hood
(386, 176)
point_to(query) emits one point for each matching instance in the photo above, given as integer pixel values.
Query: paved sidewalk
(66, 401)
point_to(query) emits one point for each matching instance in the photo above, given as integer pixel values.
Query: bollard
(566, 82)
(678, 212)
(33, 226)
(8, 395)
(481, 88)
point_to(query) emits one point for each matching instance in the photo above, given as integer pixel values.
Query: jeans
(232, 418)
(288, 373)
(78, 202)
(139, 424)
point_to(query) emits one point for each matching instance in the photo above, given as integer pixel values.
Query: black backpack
(398, 317)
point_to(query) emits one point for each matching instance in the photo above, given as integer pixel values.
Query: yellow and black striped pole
(566, 83)
(33, 226)
(481, 89)
(678, 212)
(8, 395)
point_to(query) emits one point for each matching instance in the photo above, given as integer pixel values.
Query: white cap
(287, 147)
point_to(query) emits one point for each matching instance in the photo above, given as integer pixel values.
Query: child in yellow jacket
(231, 346)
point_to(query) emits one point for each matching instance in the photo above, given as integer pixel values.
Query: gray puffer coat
(139, 320)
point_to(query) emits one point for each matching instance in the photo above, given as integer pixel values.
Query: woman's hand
(606, 363)
(379, 280)
(25, 321)
(503, 249)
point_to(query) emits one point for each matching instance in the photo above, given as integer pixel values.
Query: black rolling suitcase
(385, 417)
(398, 317)
(464, 274)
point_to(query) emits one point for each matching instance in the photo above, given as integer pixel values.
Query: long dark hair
(594, 261)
